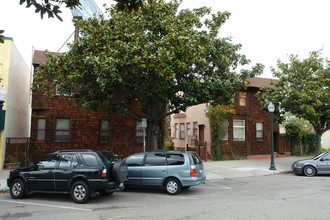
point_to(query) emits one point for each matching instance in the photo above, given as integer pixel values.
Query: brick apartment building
(248, 129)
(56, 125)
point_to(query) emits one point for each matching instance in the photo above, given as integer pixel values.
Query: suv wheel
(120, 171)
(17, 189)
(172, 186)
(80, 192)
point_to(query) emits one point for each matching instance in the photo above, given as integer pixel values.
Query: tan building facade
(15, 80)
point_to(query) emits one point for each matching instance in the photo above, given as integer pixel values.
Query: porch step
(264, 156)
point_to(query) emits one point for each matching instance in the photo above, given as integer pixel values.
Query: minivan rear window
(175, 159)
(195, 159)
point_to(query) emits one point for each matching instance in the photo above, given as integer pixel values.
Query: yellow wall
(5, 50)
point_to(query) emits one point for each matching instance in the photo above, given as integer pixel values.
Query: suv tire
(172, 186)
(119, 171)
(80, 192)
(17, 189)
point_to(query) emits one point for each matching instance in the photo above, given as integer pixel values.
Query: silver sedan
(310, 167)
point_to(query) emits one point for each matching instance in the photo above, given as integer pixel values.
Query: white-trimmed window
(182, 133)
(41, 129)
(195, 129)
(239, 130)
(177, 131)
(62, 133)
(188, 129)
(259, 130)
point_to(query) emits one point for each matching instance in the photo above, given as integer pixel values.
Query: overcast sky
(267, 29)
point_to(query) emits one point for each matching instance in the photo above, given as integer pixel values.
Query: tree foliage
(164, 59)
(304, 90)
(1, 36)
(52, 7)
(301, 135)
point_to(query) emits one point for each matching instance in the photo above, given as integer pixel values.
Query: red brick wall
(84, 128)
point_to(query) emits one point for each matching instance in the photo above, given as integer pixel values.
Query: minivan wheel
(309, 170)
(80, 192)
(17, 189)
(172, 186)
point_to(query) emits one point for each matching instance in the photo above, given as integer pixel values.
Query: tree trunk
(154, 120)
(153, 135)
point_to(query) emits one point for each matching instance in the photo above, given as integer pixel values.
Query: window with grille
(62, 133)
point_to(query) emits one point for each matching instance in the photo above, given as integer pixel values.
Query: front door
(43, 176)
(201, 133)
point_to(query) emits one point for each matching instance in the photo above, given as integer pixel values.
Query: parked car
(172, 170)
(310, 167)
(81, 173)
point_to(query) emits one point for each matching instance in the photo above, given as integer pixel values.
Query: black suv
(81, 173)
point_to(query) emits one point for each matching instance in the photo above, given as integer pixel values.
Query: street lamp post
(271, 109)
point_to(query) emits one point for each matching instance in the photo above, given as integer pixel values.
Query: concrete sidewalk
(227, 169)
(230, 169)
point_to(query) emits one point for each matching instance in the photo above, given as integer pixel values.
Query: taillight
(104, 173)
(193, 172)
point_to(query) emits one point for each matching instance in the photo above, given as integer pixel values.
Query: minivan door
(134, 166)
(154, 170)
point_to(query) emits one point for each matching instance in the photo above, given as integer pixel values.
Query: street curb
(278, 172)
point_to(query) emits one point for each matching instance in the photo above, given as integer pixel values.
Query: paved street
(282, 196)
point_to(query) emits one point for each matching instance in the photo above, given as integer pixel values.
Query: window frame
(139, 132)
(104, 132)
(176, 128)
(241, 127)
(41, 129)
(182, 131)
(242, 99)
(188, 125)
(260, 131)
(195, 129)
(62, 130)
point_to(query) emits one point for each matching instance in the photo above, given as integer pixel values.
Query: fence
(18, 148)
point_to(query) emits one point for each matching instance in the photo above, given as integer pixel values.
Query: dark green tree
(158, 57)
(304, 90)
(52, 7)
